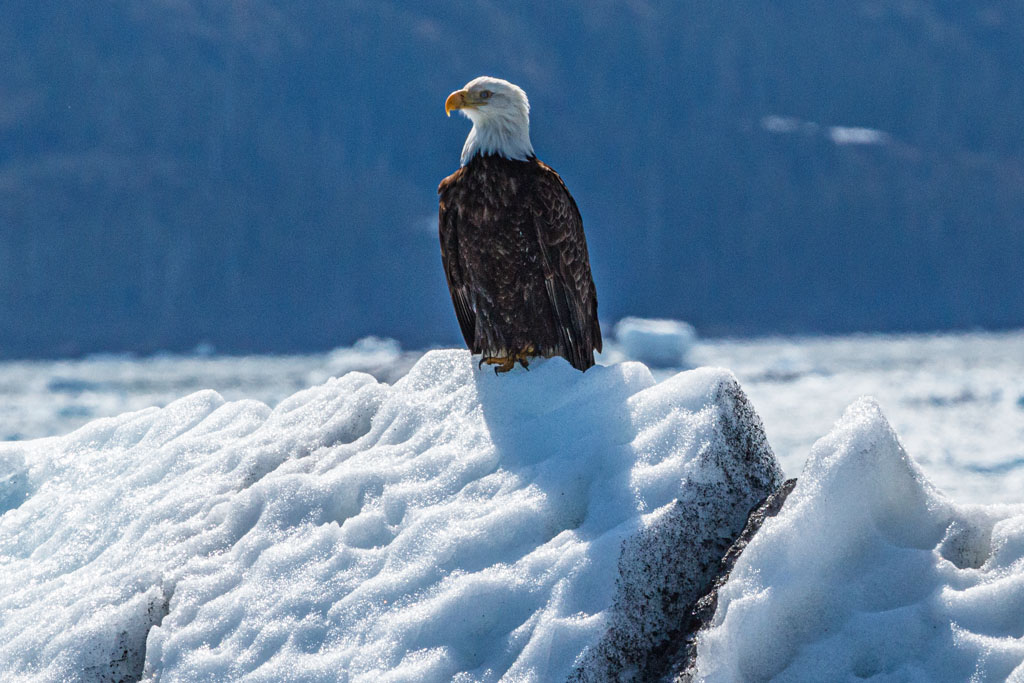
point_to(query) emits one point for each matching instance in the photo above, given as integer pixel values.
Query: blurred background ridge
(260, 176)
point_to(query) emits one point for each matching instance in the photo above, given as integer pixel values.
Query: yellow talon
(506, 363)
(500, 363)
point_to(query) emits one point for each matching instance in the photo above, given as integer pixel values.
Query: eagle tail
(568, 322)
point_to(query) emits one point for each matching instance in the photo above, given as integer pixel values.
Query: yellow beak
(457, 100)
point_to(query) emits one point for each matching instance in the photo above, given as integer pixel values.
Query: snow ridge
(869, 572)
(454, 526)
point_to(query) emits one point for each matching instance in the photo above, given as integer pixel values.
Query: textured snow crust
(454, 526)
(869, 573)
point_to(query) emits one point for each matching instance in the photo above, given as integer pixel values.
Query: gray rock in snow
(674, 561)
(683, 668)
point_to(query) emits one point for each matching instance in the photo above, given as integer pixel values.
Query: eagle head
(500, 114)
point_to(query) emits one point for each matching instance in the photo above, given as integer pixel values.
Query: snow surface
(869, 573)
(454, 526)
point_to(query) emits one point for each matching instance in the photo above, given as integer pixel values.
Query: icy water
(957, 401)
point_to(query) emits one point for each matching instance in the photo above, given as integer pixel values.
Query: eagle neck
(507, 136)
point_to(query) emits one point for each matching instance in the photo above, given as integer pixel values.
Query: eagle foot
(500, 363)
(505, 363)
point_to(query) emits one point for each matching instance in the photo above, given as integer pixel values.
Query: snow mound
(658, 343)
(454, 526)
(868, 572)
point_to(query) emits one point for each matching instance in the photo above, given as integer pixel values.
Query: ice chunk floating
(454, 526)
(869, 573)
(658, 343)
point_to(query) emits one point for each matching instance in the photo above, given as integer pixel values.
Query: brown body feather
(515, 256)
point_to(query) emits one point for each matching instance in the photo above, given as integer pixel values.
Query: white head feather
(500, 114)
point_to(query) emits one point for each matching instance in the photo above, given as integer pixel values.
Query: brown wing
(447, 223)
(568, 281)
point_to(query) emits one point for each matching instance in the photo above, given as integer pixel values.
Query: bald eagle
(512, 240)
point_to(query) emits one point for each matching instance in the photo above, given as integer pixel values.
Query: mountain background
(260, 176)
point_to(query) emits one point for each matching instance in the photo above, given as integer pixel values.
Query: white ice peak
(500, 114)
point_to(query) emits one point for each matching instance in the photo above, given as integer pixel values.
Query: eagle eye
(484, 94)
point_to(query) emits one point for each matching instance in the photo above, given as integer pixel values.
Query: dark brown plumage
(516, 260)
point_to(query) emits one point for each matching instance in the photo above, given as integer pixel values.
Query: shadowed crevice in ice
(127, 657)
(701, 612)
